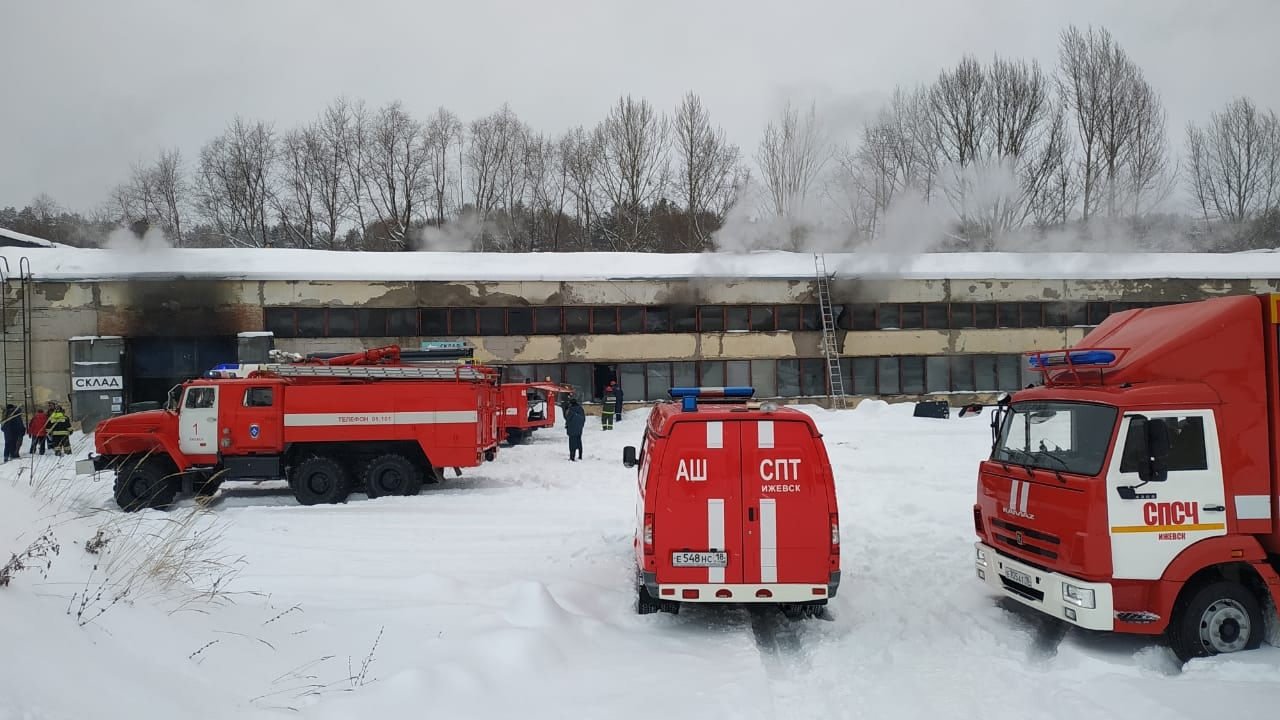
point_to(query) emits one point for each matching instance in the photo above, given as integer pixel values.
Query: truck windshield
(1061, 436)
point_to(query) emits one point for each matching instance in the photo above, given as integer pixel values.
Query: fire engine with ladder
(359, 422)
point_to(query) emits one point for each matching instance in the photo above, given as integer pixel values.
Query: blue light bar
(712, 392)
(1079, 357)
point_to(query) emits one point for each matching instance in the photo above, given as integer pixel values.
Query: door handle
(751, 514)
(1213, 508)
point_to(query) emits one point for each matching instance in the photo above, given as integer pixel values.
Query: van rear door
(699, 505)
(785, 501)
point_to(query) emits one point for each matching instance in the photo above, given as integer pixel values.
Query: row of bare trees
(994, 150)
(361, 178)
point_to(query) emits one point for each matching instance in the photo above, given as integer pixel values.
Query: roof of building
(13, 238)
(62, 263)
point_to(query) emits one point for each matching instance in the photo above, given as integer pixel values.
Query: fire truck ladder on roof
(830, 342)
(418, 372)
(15, 347)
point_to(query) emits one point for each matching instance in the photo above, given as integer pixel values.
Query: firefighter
(575, 419)
(606, 408)
(38, 430)
(14, 429)
(59, 431)
(617, 403)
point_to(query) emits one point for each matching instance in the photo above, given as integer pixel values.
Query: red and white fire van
(737, 504)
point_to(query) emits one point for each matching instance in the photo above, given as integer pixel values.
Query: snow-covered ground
(508, 593)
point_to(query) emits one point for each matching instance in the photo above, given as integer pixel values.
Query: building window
(373, 322)
(887, 370)
(789, 317)
(762, 318)
(737, 373)
(984, 373)
(658, 379)
(657, 320)
(279, 322)
(813, 376)
(631, 319)
(888, 318)
(764, 378)
(547, 321)
(1009, 372)
(684, 374)
(402, 322)
(864, 376)
(737, 318)
(935, 316)
(684, 319)
(711, 373)
(912, 372)
(342, 322)
(937, 374)
(577, 320)
(789, 378)
(310, 322)
(434, 322)
(492, 321)
(711, 318)
(1032, 315)
(861, 317)
(912, 316)
(519, 321)
(604, 320)
(962, 373)
(984, 316)
(811, 317)
(462, 321)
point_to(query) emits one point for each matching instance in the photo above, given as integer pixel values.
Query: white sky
(91, 86)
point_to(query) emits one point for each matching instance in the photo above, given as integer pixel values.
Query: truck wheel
(207, 487)
(392, 474)
(144, 484)
(1222, 617)
(645, 604)
(320, 480)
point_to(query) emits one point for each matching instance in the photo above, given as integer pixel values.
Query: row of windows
(792, 377)
(288, 322)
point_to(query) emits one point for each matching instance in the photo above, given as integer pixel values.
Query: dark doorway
(153, 365)
(603, 375)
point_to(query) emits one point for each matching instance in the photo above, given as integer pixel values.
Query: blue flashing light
(689, 403)
(1079, 357)
(710, 392)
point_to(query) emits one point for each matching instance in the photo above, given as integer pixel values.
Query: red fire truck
(736, 504)
(358, 422)
(529, 406)
(1135, 490)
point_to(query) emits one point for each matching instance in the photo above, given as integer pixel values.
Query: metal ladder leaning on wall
(830, 344)
(15, 344)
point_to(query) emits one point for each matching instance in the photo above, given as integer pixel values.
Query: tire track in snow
(787, 663)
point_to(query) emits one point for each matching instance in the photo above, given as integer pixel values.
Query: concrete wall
(202, 307)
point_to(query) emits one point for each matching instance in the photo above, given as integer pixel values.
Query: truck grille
(1019, 537)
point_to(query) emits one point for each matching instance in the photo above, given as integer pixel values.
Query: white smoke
(460, 235)
(123, 239)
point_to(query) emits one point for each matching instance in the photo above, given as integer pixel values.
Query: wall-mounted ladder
(15, 343)
(830, 341)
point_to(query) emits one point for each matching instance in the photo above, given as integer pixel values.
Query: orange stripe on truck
(1166, 528)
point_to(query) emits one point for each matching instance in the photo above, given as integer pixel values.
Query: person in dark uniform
(575, 419)
(617, 402)
(14, 430)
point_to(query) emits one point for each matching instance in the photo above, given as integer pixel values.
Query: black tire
(391, 474)
(1221, 617)
(206, 487)
(514, 436)
(146, 483)
(645, 603)
(319, 480)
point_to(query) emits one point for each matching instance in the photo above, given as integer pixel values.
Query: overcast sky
(91, 86)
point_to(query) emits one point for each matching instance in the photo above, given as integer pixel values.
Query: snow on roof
(28, 240)
(288, 264)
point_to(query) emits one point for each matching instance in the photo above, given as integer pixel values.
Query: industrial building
(106, 328)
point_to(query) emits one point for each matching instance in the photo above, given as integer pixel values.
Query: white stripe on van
(768, 540)
(1026, 495)
(766, 434)
(715, 536)
(715, 435)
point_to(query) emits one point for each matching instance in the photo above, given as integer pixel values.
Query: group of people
(50, 427)
(575, 418)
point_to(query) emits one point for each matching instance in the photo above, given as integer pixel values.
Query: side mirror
(1153, 448)
(629, 456)
(974, 409)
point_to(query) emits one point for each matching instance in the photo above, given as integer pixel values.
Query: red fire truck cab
(360, 422)
(1135, 490)
(529, 406)
(736, 504)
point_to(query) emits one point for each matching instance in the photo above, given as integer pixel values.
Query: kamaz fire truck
(359, 422)
(1136, 489)
(529, 406)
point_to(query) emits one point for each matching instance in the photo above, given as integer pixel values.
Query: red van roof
(665, 415)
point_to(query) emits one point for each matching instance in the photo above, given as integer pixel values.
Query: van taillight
(977, 519)
(648, 533)
(835, 533)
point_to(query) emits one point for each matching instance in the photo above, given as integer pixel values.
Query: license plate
(700, 559)
(1019, 577)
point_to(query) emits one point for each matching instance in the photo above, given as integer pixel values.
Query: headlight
(982, 557)
(1081, 597)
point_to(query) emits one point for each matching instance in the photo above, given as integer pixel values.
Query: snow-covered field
(508, 593)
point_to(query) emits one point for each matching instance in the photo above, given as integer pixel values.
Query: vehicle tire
(391, 474)
(206, 487)
(320, 480)
(146, 483)
(1221, 617)
(514, 437)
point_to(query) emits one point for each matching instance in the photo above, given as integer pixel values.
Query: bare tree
(1234, 163)
(234, 182)
(397, 169)
(706, 170)
(961, 105)
(791, 157)
(493, 142)
(334, 138)
(581, 156)
(296, 201)
(357, 187)
(170, 185)
(635, 166)
(443, 132)
(1115, 110)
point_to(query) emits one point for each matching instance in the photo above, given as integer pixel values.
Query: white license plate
(1019, 577)
(699, 559)
(85, 467)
